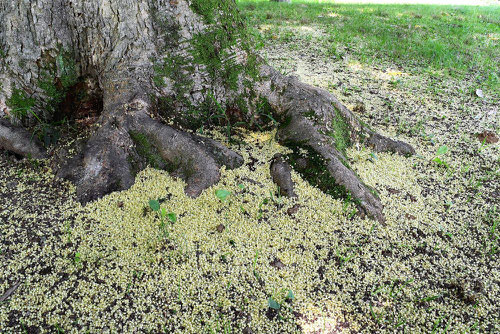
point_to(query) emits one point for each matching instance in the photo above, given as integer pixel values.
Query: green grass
(457, 41)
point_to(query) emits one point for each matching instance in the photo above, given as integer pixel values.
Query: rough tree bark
(138, 76)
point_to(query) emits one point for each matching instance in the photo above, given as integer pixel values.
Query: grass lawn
(241, 259)
(457, 41)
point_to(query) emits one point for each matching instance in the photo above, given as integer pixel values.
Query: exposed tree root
(313, 119)
(19, 140)
(281, 174)
(129, 140)
(194, 55)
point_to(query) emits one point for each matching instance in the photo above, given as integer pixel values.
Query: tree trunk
(138, 76)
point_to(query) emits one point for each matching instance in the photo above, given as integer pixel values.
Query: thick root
(195, 159)
(130, 142)
(281, 172)
(315, 120)
(103, 166)
(20, 141)
(302, 133)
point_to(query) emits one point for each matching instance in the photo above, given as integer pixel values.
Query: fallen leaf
(276, 263)
(488, 137)
(393, 191)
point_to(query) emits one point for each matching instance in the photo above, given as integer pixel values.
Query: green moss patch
(147, 151)
(313, 168)
(340, 133)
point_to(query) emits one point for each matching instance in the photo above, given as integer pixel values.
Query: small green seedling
(440, 152)
(77, 260)
(273, 304)
(344, 259)
(222, 194)
(172, 217)
(162, 213)
(154, 205)
(290, 295)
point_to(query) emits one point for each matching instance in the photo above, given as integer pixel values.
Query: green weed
(442, 150)
(163, 215)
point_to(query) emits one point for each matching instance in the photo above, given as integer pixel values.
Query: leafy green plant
(278, 303)
(21, 105)
(77, 259)
(343, 259)
(154, 205)
(442, 150)
(222, 194)
(163, 215)
(273, 304)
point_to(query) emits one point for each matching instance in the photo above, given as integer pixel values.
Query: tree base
(129, 139)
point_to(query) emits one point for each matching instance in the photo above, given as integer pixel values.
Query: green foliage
(77, 259)
(146, 150)
(20, 103)
(436, 40)
(222, 194)
(442, 150)
(213, 49)
(154, 205)
(273, 304)
(278, 306)
(172, 217)
(162, 213)
(290, 295)
(56, 79)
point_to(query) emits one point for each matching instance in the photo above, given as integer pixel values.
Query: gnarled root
(281, 172)
(129, 140)
(20, 141)
(317, 122)
(302, 133)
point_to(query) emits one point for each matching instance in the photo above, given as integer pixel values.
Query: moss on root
(311, 166)
(340, 133)
(146, 151)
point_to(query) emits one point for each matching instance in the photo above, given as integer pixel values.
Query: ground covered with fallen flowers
(242, 259)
